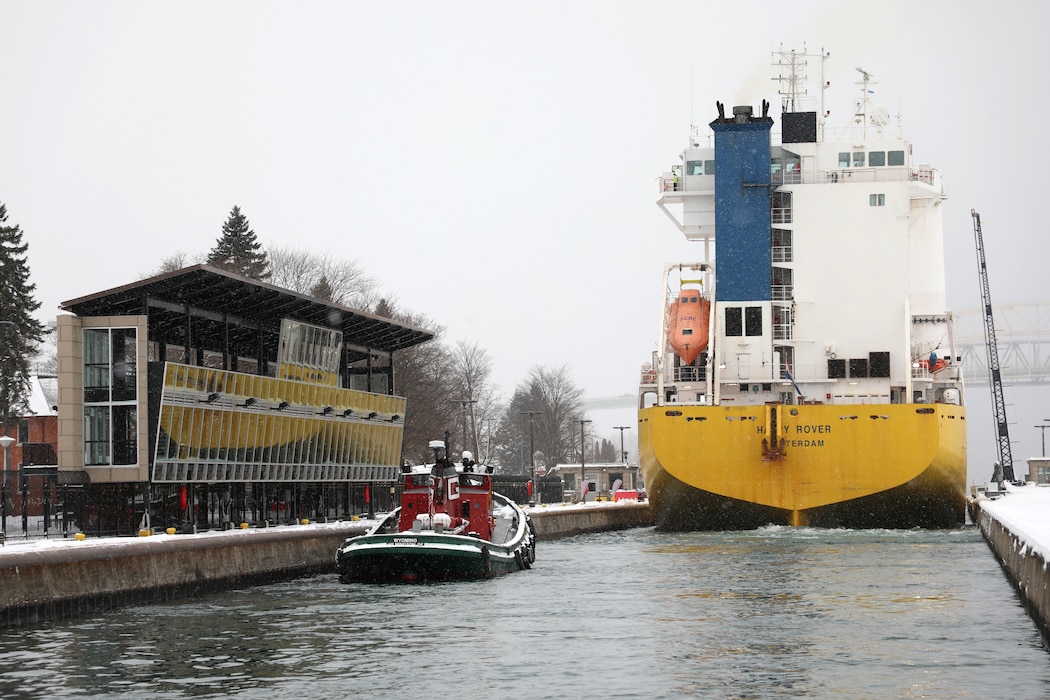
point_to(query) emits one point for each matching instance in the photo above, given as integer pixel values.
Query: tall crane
(1004, 470)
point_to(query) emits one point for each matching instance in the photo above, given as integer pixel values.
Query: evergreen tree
(238, 251)
(20, 332)
(323, 290)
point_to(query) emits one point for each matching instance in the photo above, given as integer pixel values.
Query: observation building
(200, 398)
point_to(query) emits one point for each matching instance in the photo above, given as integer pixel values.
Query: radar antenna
(793, 80)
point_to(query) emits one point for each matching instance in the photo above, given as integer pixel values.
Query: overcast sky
(491, 164)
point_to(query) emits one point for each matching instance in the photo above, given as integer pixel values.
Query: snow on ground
(1025, 512)
(15, 544)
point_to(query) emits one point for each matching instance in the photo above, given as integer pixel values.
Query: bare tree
(341, 280)
(556, 403)
(471, 369)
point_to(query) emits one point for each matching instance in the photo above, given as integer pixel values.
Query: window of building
(895, 158)
(877, 159)
(110, 396)
(734, 321)
(753, 320)
(877, 200)
(844, 159)
(858, 159)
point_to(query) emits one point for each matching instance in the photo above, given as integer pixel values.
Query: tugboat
(450, 526)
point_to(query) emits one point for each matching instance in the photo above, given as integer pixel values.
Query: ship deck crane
(1004, 470)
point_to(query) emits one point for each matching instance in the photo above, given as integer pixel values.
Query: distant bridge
(1023, 334)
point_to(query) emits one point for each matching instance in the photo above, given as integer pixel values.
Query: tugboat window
(877, 159)
(734, 321)
(895, 158)
(709, 167)
(858, 159)
(694, 167)
(844, 159)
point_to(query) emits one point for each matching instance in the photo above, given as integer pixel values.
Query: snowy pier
(52, 579)
(1017, 528)
(60, 578)
(558, 520)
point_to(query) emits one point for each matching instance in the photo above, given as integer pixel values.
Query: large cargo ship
(807, 372)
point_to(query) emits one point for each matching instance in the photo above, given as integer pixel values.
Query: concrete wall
(558, 521)
(71, 578)
(1026, 569)
(74, 578)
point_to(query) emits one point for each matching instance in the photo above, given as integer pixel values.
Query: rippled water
(776, 612)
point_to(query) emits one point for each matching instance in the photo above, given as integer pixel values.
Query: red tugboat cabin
(447, 498)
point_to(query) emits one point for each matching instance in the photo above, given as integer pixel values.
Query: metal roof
(225, 307)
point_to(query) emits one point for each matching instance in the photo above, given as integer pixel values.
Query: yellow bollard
(145, 533)
(170, 531)
(355, 519)
(244, 526)
(80, 536)
(304, 521)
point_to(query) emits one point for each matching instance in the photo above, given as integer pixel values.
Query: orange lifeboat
(688, 320)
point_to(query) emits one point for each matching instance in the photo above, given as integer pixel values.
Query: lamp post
(583, 459)
(5, 441)
(463, 404)
(532, 455)
(1042, 430)
(621, 428)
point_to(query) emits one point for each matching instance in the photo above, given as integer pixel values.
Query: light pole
(5, 441)
(463, 404)
(1042, 430)
(583, 477)
(532, 455)
(621, 428)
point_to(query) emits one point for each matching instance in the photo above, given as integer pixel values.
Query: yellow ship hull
(863, 466)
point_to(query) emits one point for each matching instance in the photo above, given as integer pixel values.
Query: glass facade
(223, 426)
(110, 397)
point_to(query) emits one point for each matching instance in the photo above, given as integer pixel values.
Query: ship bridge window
(879, 363)
(694, 167)
(876, 200)
(844, 159)
(734, 321)
(836, 369)
(753, 320)
(895, 158)
(877, 159)
(858, 367)
(858, 159)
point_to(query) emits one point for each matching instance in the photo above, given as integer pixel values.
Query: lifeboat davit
(688, 321)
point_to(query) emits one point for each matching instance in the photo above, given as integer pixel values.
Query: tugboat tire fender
(486, 563)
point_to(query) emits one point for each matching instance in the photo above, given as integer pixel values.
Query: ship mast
(793, 81)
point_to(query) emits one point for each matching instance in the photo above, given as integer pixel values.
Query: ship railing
(951, 373)
(920, 173)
